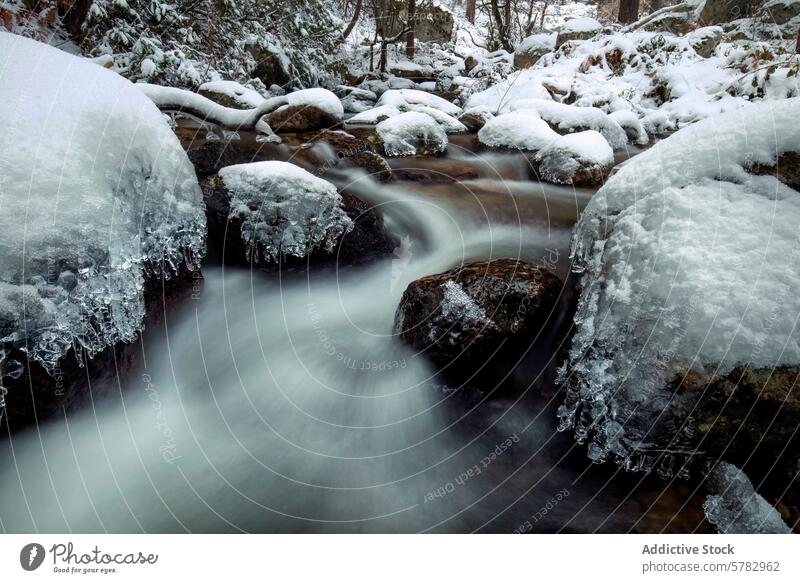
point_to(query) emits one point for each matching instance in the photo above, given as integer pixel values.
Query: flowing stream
(283, 402)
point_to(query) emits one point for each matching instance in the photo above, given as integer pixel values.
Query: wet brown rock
(300, 117)
(464, 318)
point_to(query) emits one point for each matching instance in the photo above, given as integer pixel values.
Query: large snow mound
(94, 189)
(285, 210)
(691, 264)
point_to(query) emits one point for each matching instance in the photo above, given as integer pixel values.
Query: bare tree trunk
(471, 11)
(352, 24)
(502, 26)
(628, 11)
(412, 20)
(797, 46)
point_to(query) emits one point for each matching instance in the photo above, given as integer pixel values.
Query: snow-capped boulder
(705, 40)
(673, 20)
(307, 110)
(580, 159)
(734, 506)
(357, 100)
(405, 99)
(97, 196)
(632, 125)
(475, 118)
(373, 116)
(279, 210)
(567, 119)
(522, 130)
(578, 29)
(691, 268)
(231, 94)
(411, 133)
(532, 48)
(459, 319)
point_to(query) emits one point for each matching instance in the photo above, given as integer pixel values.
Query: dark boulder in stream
(470, 320)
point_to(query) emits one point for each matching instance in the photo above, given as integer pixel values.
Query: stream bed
(283, 401)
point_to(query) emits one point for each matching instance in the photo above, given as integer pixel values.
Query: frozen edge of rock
(284, 210)
(107, 154)
(616, 392)
(734, 507)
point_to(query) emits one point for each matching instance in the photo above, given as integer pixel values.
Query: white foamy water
(283, 402)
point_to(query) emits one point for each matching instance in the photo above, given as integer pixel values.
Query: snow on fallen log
(174, 100)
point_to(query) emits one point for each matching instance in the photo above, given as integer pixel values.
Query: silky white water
(283, 402)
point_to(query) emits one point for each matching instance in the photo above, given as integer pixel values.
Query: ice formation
(688, 259)
(285, 210)
(405, 132)
(456, 304)
(96, 192)
(736, 508)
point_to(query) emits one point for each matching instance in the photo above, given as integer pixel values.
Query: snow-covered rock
(373, 115)
(96, 193)
(231, 94)
(580, 159)
(411, 133)
(532, 48)
(633, 127)
(403, 98)
(283, 210)
(307, 110)
(705, 40)
(691, 266)
(578, 29)
(467, 319)
(782, 11)
(735, 507)
(356, 99)
(523, 130)
(475, 118)
(566, 119)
